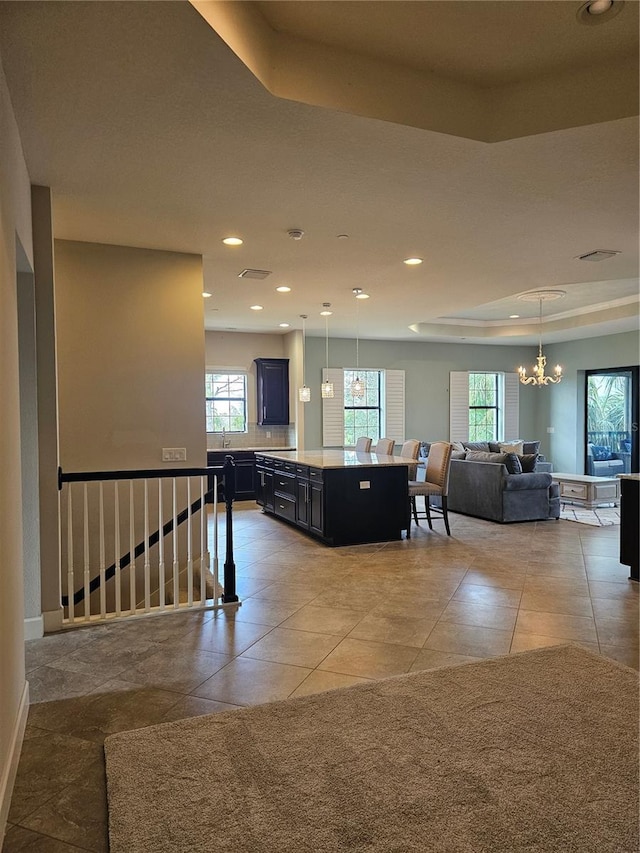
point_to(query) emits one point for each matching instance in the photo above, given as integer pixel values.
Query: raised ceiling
(153, 132)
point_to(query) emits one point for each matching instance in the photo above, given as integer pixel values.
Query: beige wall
(130, 356)
(15, 223)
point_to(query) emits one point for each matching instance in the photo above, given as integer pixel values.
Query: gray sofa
(488, 490)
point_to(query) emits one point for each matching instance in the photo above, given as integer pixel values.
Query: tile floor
(312, 618)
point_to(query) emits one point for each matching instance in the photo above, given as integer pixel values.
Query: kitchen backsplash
(256, 436)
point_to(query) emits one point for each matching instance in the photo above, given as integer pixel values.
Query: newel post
(229, 474)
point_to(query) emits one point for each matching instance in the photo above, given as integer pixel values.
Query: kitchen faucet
(225, 440)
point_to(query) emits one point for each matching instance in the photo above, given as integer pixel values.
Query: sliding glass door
(612, 399)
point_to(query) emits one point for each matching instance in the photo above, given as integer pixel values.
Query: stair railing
(173, 567)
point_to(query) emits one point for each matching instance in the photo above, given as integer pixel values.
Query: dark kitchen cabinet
(245, 472)
(272, 380)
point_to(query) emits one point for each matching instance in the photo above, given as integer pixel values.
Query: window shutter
(511, 406)
(394, 405)
(459, 405)
(333, 408)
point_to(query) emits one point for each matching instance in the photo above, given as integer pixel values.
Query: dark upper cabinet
(273, 391)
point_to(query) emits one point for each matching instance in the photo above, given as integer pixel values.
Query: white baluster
(116, 547)
(70, 553)
(132, 552)
(216, 590)
(87, 572)
(204, 554)
(103, 583)
(161, 577)
(189, 547)
(147, 564)
(176, 563)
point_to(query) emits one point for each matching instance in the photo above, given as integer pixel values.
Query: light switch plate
(365, 484)
(174, 454)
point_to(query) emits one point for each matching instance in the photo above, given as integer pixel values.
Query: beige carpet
(535, 752)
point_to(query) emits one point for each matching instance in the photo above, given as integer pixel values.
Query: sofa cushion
(510, 460)
(528, 461)
(512, 447)
(476, 445)
(458, 454)
(600, 454)
(535, 480)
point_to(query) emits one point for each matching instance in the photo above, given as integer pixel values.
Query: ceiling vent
(260, 274)
(598, 255)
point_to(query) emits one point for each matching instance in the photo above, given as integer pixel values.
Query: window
(226, 402)
(362, 415)
(484, 407)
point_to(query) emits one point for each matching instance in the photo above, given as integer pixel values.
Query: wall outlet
(174, 454)
(365, 484)
(551, 430)
(268, 434)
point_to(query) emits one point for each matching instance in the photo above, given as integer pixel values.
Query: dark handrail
(229, 478)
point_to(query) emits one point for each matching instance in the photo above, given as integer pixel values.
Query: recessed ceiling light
(206, 294)
(412, 262)
(513, 316)
(256, 307)
(284, 325)
(599, 11)
(343, 236)
(232, 241)
(283, 289)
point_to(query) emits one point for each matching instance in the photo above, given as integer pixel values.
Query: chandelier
(539, 378)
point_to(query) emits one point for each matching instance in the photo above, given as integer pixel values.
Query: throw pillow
(485, 456)
(476, 445)
(531, 447)
(458, 454)
(528, 462)
(514, 447)
(513, 463)
(600, 454)
(457, 445)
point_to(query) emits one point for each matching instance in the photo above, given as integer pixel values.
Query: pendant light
(357, 387)
(539, 379)
(304, 392)
(327, 387)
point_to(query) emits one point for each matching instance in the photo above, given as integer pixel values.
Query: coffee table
(586, 490)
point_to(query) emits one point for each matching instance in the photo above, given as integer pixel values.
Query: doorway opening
(612, 398)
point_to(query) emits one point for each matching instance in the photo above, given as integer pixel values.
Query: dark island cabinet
(629, 514)
(340, 506)
(245, 472)
(272, 382)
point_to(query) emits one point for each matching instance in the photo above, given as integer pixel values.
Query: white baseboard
(52, 620)
(33, 628)
(11, 765)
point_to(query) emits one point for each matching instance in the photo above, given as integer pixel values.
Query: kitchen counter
(248, 449)
(330, 458)
(338, 496)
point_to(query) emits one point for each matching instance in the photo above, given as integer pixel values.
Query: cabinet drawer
(573, 490)
(284, 485)
(302, 471)
(285, 507)
(315, 475)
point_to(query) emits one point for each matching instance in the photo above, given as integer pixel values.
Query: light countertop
(248, 449)
(338, 458)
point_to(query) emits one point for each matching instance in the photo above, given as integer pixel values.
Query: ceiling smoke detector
(260, 274)
(598, 255)
(296, 233)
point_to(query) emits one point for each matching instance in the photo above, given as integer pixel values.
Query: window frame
(363, 372)
(497, 407)
(218, 372)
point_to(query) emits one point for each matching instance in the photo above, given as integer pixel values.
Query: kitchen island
(338, 496)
